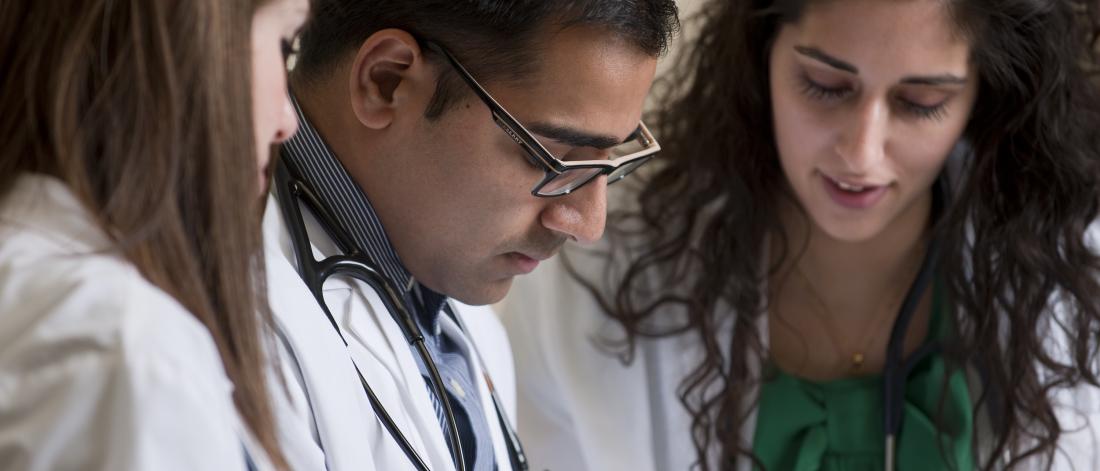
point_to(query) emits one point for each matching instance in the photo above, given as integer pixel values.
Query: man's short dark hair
(494, 39)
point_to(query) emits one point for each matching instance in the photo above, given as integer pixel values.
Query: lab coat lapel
(369, 330)
(376, 332)
(379, 349)
(337, 399)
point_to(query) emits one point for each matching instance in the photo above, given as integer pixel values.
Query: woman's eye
(821, 92)
(935, 112)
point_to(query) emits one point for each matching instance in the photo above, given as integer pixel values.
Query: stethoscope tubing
(896, 371)
(314, 273)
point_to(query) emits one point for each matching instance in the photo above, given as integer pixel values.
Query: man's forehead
(586, 85)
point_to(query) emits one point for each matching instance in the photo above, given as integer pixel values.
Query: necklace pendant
(857, 361)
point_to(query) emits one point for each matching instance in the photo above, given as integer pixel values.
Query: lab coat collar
(324, 361)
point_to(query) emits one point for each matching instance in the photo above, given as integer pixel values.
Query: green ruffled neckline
(836, 425)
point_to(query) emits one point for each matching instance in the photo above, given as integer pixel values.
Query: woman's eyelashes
(822, 92)
(830, 94)
(934, 112)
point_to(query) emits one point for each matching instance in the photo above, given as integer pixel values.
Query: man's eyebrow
(577, 138)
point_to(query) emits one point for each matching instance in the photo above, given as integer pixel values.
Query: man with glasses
(445, 147)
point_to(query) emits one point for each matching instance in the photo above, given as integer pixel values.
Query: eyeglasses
(562, 177)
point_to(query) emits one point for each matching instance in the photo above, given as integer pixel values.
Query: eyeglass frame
(552, 166)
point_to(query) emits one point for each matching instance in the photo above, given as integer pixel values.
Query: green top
(838, 425)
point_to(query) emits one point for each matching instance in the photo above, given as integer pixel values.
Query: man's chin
(483, 293)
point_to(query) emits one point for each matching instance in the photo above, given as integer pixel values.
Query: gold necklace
(858, 357)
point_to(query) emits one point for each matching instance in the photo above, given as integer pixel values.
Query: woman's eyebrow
(820, 56)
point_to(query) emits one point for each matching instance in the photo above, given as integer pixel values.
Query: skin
(867, 93)
(454, 193)
(274, 24)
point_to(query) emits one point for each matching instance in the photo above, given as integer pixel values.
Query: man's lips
(523, 264)
(527, 262)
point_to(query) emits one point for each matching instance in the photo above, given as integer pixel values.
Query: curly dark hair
(1012, 242)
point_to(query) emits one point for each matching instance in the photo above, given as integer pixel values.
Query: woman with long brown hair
(867, 247)
(130, 179)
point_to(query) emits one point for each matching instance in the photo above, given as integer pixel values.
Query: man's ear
(388, 71)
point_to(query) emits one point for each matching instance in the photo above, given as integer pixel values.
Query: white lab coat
(581, 409)
(99, 369)
(331, 422)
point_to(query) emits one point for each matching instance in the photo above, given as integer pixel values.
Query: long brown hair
(1012, 240)
(143, 108)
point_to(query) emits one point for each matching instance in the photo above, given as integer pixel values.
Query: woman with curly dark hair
(867, 247)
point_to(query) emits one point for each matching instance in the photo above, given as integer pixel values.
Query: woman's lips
(853, 195)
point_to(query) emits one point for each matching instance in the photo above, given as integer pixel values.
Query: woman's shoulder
(96, 362)
(67, 298)
(106, 370)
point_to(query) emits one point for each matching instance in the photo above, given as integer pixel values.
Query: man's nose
(580, 215)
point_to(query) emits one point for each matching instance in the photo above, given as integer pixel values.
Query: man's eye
(531, 159)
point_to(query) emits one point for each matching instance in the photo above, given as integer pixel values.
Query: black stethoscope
(896, 371)
(290, 190)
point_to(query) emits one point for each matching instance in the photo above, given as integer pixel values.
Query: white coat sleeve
(116, 379)
(1078, 412)
(1077, 408)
